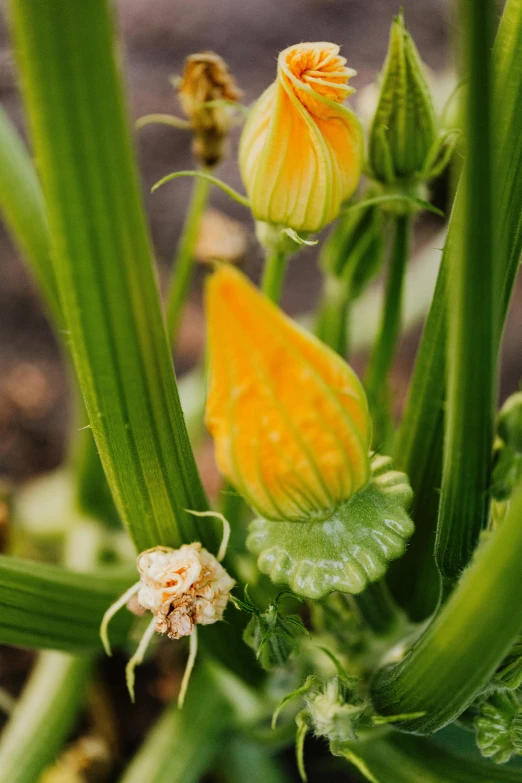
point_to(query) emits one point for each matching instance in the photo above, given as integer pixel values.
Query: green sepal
(509, 673)
(498, 727)
(353, 252)
(346, 551)
(270, 634)
(404, 128)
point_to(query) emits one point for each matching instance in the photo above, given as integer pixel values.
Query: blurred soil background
(157, 36)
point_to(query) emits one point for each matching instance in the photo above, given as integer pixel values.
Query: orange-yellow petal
(301, 150)
(289, 417)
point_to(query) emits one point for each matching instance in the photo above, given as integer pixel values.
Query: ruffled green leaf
(345, 552)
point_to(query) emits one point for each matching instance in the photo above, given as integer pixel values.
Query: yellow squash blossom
(301, 150)
(289, 417)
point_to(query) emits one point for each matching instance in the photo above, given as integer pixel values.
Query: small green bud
(497, 726)
(507, 455)
(332, 715)
(404, 133)
(509, 424)
(270, 634)
(353, 252)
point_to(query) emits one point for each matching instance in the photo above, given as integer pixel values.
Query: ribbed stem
(378, 609)
(459, 652)
(184, 260)
(471, 318)
(419, 444)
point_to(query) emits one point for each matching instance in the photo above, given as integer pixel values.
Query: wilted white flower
(182, 587)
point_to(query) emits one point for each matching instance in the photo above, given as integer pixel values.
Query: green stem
(43, 716)
(403, 759)
(378, 609)
(184, 260)
(332, 317)
(181, 745)
(274, 274)
(103, 265)
(472, 326)
(459, 652)
(419, 444)
(382, 357)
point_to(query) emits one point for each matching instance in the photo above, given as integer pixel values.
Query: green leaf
(103, 265)
(22, 207)
(42, 717)
(46, 606)
(345, 552)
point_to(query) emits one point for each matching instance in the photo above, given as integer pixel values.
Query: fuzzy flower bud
(289, 417)
(206, 79)
(332, 716)
(182, 587)
(404, 128)
(301, 150)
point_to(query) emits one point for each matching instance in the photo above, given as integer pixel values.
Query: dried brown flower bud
(206, 79)
(182, 588)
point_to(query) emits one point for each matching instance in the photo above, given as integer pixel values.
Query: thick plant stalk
(471, 357)
(43, 716)
(459, 652)
(22, 206)
(184, 260)
(419, 445)
(104, 269)
(402, 759)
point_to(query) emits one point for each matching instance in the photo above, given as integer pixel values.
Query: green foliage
(270, 634)
(84, 234)
(46, 606)
(346, 552)
(105, 277)
(43, 716)
(499, 727)
(404, 133)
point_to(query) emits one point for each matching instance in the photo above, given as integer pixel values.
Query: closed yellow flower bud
(289, 417)
(301, 150)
